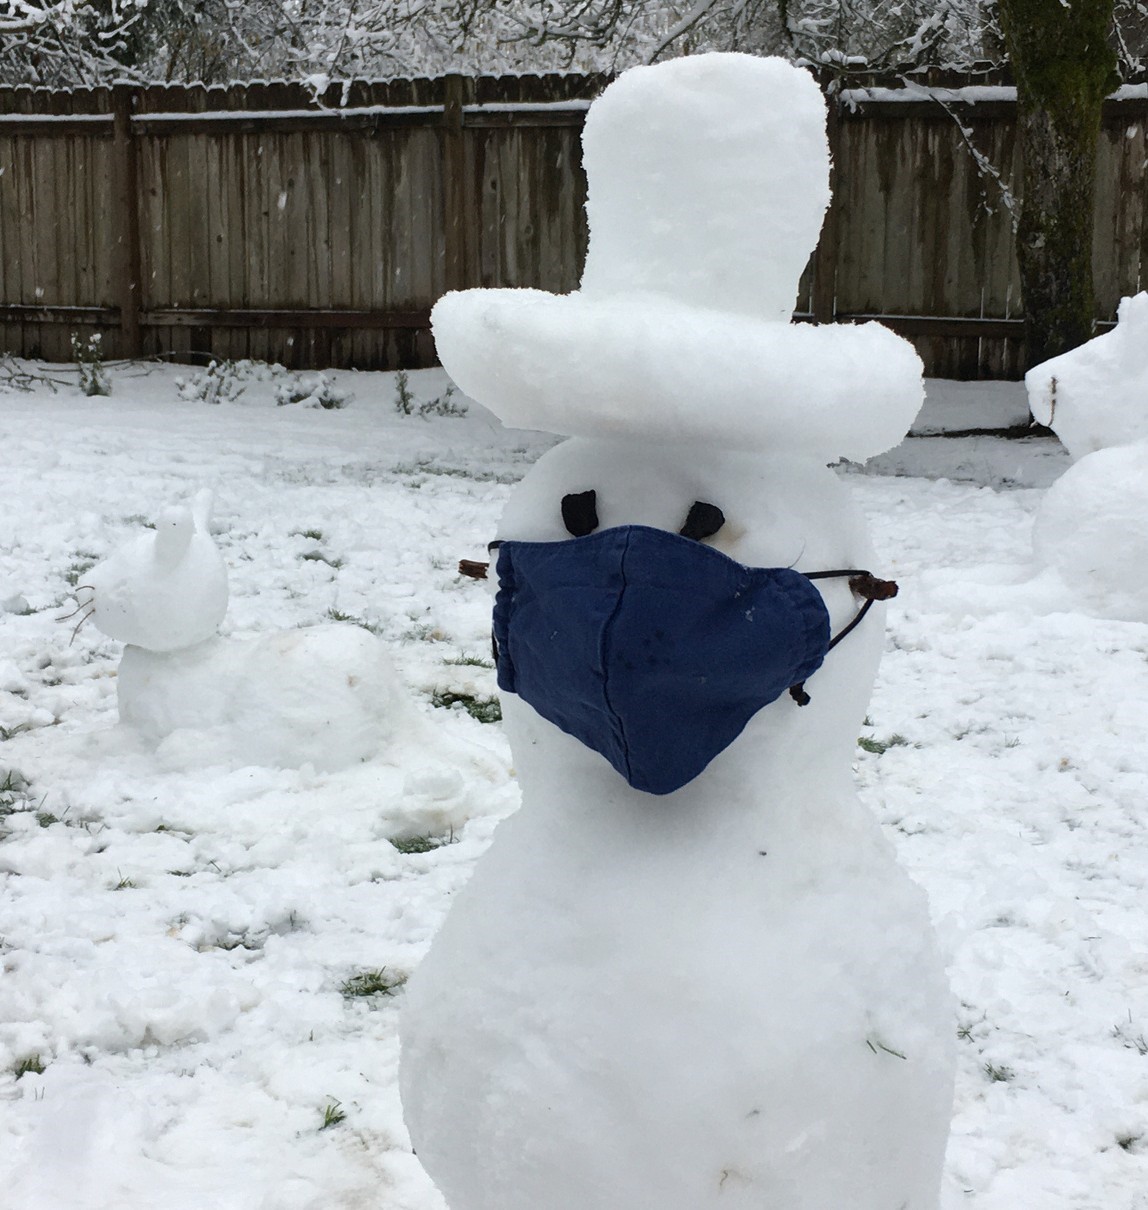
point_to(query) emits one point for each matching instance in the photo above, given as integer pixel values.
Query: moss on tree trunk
(1064, 69)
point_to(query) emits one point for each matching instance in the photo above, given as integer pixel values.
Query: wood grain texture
(320, 230)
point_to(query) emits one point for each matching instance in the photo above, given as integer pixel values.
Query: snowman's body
(324, 695)
(726, 996)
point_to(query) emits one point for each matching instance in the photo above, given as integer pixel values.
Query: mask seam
(607, 644)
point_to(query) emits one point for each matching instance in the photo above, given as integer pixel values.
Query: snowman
(688, 973)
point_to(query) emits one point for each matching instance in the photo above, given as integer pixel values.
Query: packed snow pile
(689, 973)
(702, 216)
(1096, 396)
(326, 696)
(1092, 529)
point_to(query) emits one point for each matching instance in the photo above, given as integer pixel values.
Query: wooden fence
(259, 221)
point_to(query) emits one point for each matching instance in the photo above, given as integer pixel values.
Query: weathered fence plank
(261, 221)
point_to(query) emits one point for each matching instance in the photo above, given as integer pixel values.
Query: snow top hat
(708, 183)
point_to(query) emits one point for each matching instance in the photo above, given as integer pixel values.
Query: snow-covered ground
(202, 962)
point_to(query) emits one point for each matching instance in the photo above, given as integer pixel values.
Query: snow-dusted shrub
(89, 358)
(225, 381)
(221, 381)
(407, 405)
(316, 392)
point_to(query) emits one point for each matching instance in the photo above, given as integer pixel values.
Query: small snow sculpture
(1092, 525)
(689, 972)
(1096, 396)
(167, 588)
(322, 695)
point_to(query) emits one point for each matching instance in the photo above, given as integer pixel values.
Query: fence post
(457, 214)
(126, 220)
(825, 258)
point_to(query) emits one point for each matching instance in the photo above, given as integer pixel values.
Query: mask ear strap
(865, 585)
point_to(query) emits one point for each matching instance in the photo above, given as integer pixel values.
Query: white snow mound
(325, 695)
(1092, 527)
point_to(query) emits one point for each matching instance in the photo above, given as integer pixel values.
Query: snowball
(1096, 395)
(1092, 527)
(708, 180)
(322, 695)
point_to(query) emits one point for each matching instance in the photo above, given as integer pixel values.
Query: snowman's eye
(580, 513)
(703, 521)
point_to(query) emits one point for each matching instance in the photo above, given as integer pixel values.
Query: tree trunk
(1064, 69)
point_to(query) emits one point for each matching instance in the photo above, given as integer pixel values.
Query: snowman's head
(165, 589)
(653, 601)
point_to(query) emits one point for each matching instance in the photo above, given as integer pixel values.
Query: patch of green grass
(1129, 1040)
(317, 556)
(15, 792)
(485, 710)
(82, 562)
(234, 941)
(469, 661)
(337, 615)
(332, 1114)
(32, 1065)
(421, 844)
(368, 983)
(426, 466)
(315, 535)
(999, 1073)
(966, 1030)
(875, 1045)
(878, 746)
(124, 884)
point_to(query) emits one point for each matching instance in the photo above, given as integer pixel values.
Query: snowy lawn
(202, 961)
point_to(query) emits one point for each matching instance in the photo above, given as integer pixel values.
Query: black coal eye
(580, 513)
(703, 522)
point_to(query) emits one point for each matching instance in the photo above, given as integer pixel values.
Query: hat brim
(644, 366)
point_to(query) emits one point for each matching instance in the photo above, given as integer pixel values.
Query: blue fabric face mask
(651, 648)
